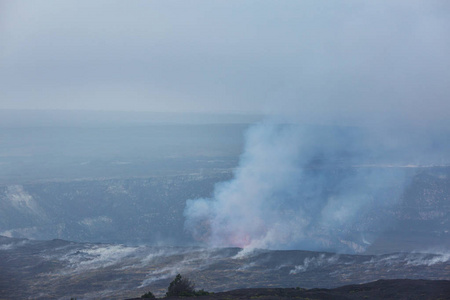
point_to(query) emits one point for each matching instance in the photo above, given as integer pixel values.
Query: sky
(307, 59)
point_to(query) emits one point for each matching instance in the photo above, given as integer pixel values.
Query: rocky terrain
(133, 210)
(59, 269)
(380, 289)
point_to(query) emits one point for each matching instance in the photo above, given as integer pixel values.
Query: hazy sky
(307, 58)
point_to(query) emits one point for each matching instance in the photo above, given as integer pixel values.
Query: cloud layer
(313, 59)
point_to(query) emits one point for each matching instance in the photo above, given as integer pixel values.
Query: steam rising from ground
(124, 271)
(314, 262)
(305, 187)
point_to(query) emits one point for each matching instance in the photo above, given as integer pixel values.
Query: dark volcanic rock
(59, 269)
(382, 289)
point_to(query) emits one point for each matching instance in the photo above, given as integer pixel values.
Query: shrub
(181, 287)
(201, 293)
(148, 295)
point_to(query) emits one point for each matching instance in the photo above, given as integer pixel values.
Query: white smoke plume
(305, 187)
(319, 187)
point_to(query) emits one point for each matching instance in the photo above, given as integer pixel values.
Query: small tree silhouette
(148, 295)
(180, 287)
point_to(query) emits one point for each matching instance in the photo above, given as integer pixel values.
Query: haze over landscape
(148, 138)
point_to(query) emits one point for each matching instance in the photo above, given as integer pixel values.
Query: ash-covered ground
(59, 269)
